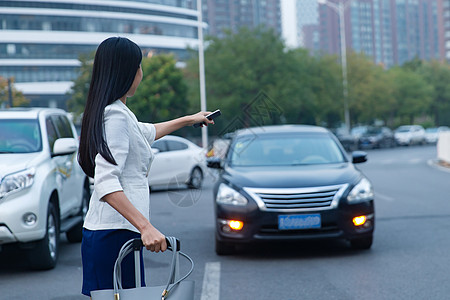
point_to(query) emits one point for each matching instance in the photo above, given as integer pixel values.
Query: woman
(115, 151)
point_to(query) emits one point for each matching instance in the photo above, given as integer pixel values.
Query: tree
(437, 74)
(162, 94)
(80, 88)
(370, 92)
(255, 81)
(18, 98)
(413, 95)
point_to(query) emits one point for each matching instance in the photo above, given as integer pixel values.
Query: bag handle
(136, 244)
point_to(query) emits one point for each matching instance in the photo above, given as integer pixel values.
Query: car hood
(11, 163)
(292, 176)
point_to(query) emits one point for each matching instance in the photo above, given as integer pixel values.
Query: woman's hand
(153, 240)
(199, 118)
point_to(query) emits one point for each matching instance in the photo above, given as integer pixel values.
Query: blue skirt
(99, 251)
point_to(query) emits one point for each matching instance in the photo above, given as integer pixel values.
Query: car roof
(280, 129)
(27, 112)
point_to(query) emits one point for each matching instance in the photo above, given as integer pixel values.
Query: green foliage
(18, 98)
(413, 95)
(370, 92)
(437, 74)
(80, 88)
(162, 94)
(254, 81)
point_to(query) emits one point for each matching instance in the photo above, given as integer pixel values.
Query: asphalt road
(408, 260)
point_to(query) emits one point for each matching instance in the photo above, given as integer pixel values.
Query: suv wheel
(45, 254)
(75, 234)
(196, 179)
(362, 243)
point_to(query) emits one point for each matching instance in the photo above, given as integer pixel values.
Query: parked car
(177, 161)
(290, 182)
(432, 134)
(410, 135)
(348, 141)
(358, 131)
(376, 137)
(43, 190)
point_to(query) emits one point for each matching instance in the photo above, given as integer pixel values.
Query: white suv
(409, 135)
(43, 190)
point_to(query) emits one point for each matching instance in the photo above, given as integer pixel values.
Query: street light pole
(340, 10)
(201, 67)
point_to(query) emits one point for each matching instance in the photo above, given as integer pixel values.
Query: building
(444, 6)
(223, 15)
(40, 41)
(390, 31)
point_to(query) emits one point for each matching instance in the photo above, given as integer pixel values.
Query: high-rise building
(223, 15)
(444, 6)
(390, 31)
(40, 41)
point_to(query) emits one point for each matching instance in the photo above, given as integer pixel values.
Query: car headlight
(16, 182)
(361, 192)
(227, 195)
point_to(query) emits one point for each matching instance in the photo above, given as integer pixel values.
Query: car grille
(297, 199)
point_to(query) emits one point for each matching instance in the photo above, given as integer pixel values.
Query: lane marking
(211, 281)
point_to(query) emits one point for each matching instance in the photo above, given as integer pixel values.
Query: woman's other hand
(153, 240)
(200, 117)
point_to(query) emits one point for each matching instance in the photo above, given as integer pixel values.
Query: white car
(43, 190)
(409, 135)
(177, 161)
(432, 134)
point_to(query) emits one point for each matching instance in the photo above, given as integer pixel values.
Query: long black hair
(115, 65)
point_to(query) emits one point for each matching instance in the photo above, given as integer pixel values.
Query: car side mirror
(359, 157)
(214, 163)
(155, 150)
(64, 146)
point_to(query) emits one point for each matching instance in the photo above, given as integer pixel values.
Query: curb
(439, 164)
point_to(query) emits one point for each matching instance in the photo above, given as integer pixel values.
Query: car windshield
(285, 151)
(373, 130)
(431, 130)
(404, 129)
(19, 136)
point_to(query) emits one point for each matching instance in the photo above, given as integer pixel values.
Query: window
(175, 145)
(20, 136)
(52, 135)
(160, 145)
(63, 127)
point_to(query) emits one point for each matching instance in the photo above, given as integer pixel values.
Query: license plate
(289, 222)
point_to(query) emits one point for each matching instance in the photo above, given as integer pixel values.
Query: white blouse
(129, 142)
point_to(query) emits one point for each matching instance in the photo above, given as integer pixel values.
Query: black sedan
(377, 137)
(287, 183)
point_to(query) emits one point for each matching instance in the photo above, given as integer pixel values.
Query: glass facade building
(232, 14)
(40, 41)
(392, 32)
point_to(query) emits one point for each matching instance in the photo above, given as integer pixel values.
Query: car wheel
(224, 248)
(75, 234)
(362, 243)
(196, 179)
(45, 254)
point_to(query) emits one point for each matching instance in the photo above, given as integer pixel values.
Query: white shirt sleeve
(106, 176)
(149, 131)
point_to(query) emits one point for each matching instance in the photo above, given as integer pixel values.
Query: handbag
(180, 289)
